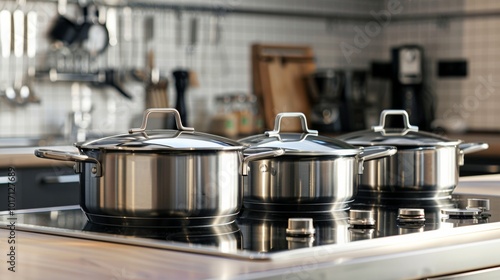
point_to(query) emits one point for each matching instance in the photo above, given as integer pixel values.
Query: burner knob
(361, 217)
(478, 203)
(297, 242)
(300, 227)
(411, 215)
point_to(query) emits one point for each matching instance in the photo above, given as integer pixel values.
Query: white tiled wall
(220, 69)
(227, 67)
(476, 39)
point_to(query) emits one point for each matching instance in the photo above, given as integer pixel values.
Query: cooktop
(266, 235)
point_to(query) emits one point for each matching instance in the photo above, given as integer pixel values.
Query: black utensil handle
(121, 91)
(181, 85)
(110, 81)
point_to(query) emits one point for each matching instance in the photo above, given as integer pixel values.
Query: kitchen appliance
(338, 99)
(408, 86)
(325, 88)
(163, 177)
(355, 104)
(425, 166)
(315, 173)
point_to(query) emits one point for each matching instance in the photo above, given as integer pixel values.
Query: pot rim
(163, 142)
(408, 136)
(306, 143)
(182, 139)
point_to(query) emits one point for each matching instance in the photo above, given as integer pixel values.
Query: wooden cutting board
(279, 73)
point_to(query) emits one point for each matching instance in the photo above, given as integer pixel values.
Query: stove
(269, 235)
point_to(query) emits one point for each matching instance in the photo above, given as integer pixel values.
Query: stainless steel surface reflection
(262, 235)
(223, 238)
(193, 188)
(386, 215)
(266, 232)
(311, 184)
(413, 174)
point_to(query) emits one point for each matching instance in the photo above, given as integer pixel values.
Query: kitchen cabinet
(38, 183)
(37, 187)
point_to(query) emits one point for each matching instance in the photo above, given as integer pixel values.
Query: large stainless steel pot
(161, 177)
(426, 165)
(315, 174)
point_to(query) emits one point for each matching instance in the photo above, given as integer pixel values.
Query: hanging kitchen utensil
(315, 174)
(126, 38)
(191, 52)
(18, 45)
(220, 55)
(5, 32)
(179, 29)
(93, 35)
(27, 90)
(63, 30)
(426, 165)
(156, 89)
(160, 177)
(6, 42)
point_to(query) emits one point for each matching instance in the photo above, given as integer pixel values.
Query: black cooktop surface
(258, 235)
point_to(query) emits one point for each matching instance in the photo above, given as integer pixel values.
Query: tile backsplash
(226, 67)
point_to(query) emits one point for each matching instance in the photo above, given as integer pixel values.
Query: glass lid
(306, 143)
(184, 138)
(406, 136)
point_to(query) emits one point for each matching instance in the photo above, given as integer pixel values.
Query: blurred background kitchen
(441, 56)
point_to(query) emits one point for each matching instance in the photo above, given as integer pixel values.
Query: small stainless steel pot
(426, 165)
(160, 178)
(315, 174)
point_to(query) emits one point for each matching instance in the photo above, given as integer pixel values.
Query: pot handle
(68, 156)
(467, 148)
(258, 156)
(406, 121)
(375, 152)
(277, 123)
(147, 112)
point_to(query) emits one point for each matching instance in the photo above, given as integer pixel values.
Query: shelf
(227, 9)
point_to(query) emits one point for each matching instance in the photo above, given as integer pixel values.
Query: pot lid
(306, 143)
(408, 136)
(182, 139)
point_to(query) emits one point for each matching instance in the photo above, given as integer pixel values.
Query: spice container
(225, 121)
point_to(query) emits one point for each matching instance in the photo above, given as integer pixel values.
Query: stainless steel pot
(426, 165)
(161, 178)
(315, 174)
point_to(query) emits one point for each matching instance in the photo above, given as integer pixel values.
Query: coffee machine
(338, 98)
(325, 88)
(408, 90)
